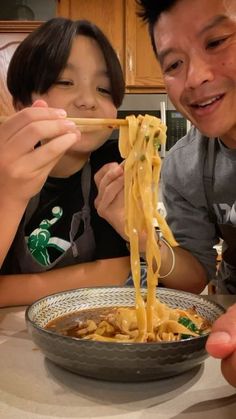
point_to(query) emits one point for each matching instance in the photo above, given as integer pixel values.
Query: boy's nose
(85, 100)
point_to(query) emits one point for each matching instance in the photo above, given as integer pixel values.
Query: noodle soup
(119, 324)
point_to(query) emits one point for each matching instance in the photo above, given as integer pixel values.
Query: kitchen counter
(31, 387)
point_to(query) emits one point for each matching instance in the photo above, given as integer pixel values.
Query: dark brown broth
(68, 323)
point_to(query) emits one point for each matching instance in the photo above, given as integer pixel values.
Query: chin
(87, 147)
(211, 129)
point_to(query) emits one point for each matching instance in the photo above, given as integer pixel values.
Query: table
(31, 387)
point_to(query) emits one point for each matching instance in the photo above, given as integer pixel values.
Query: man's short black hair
(150, 10)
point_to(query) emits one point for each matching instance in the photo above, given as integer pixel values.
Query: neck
(228, 142)
(69, 164)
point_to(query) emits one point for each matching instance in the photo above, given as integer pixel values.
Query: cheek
(174, 91)
(110, 110)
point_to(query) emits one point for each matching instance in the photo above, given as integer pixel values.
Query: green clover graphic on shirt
(40, 239)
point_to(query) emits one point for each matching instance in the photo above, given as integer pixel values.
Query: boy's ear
(18, 106)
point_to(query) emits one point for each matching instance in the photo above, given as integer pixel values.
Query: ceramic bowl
(110, 360)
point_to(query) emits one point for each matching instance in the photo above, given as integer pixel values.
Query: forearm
(24, 289)
(10, 217)
(188, 273)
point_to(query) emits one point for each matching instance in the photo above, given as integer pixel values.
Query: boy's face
(83, 90)
(196, 44)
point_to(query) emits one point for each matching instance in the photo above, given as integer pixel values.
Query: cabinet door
(108, 15)
(8, 44)
(142, 68)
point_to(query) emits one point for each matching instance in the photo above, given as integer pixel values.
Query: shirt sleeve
(187, 213)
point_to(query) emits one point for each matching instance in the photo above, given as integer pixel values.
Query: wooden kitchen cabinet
(11, 34)
(106, 14)
(141, 66)
(118, 20)
(128, 35)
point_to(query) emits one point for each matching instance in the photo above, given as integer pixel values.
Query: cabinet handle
(130, 62)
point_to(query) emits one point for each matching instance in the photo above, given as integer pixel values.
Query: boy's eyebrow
(213, 23)
(101, 72)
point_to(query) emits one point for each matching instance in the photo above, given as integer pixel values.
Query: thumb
(220, 344)
(39, 103)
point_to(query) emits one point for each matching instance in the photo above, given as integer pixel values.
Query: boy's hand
(24, 168)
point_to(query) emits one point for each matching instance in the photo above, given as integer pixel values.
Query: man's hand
(222, 343)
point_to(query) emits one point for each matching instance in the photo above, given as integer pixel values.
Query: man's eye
(172, 67)
(215, 43)
(103, 90)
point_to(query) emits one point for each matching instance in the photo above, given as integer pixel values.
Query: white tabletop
(32, 387)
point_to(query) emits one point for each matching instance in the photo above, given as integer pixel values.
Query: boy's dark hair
(41, 57)
(150, 11)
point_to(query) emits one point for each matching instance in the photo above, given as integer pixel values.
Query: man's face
(196, 45)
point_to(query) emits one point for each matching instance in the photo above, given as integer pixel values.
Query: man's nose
(199, 72)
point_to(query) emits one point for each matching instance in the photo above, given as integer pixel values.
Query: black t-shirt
(60, 198)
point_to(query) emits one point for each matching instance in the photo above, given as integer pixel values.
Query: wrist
(167, 259)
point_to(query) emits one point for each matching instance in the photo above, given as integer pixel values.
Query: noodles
(142, 172)
(150, 320)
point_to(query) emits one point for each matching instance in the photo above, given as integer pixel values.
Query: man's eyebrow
(217, 20)
(162, 54)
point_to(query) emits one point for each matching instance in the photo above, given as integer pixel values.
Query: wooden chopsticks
(111, 123)
(99, 121)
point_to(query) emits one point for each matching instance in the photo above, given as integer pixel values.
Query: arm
(24, 168)
(110, 205)
(222, 343)
(24, 289)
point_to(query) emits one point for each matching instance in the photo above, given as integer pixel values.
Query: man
(195, 43)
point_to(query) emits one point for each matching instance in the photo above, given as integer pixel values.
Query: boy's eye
(103, 90)
(64, 82)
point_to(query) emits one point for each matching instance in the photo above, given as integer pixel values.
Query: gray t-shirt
(185, 200)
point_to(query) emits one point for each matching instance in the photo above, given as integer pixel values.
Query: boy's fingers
(104, 172)
(25, 141)
(49, 154)
(18, 121)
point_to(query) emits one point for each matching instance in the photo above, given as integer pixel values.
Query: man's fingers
(219, 345)
(222, 340)
(228, 367)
